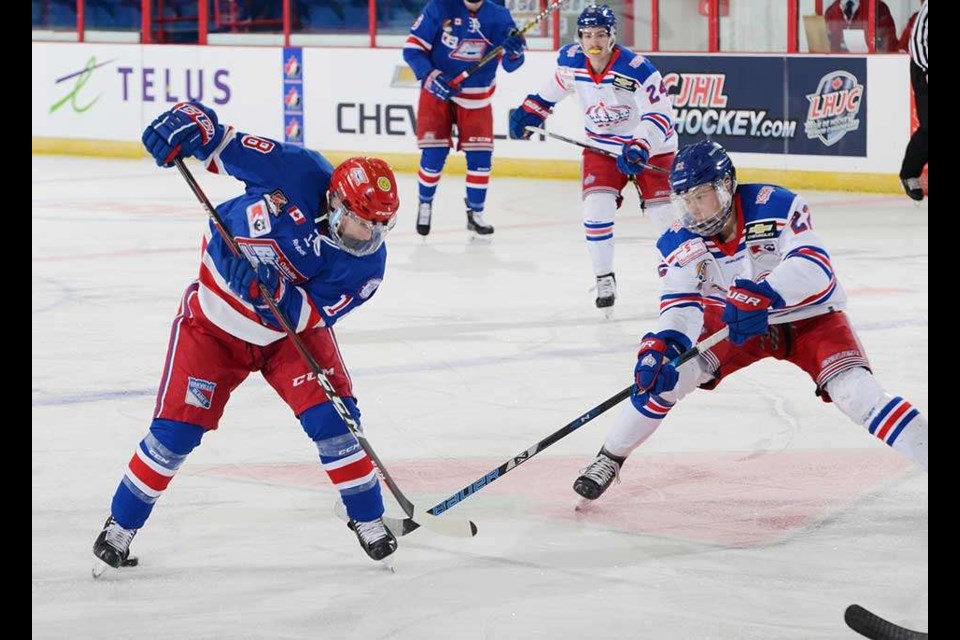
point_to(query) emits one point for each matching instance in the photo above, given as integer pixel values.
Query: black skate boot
(913, 188)
(606, 290)
(476, 223)
(424, 213)
(374, 537)
(599, 475)
(112, 547)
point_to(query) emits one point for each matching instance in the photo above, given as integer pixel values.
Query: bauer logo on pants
(199, 393)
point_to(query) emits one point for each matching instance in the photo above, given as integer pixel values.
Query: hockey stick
(872, 626)
(466, 73)
(600, 150)
(464, 528)
(403, 527)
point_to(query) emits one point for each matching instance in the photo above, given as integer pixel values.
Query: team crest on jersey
(200, 393)
(258, 219)
(367, 290)
(762, 230)
(267, 251)
(275, 201)
(625, 83)
(607, 116)
(469, 50)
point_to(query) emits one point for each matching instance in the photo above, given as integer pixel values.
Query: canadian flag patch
(296, 214)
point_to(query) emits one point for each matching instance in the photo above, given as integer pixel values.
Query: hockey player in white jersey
(626, 109)
(746, 256)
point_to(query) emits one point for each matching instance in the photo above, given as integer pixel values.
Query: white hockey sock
(630, 429)
(888, 418)
(598, 212)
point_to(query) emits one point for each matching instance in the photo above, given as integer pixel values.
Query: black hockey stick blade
(402, 526)
(870, 625)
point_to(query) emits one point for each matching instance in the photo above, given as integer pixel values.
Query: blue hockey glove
(244, 280)
(513, 44)
(439, 86)
(533, 112)
(188, 129)
(633, 156)
(241, 277)
(747, 308)
(653, 371)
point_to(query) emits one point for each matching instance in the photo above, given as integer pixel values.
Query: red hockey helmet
(363, 204)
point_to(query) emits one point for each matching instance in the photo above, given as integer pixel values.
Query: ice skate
(375, 539)
(424, 213)
(112, 548)
(599, 475)
(913, 188)
(606, 293)
(477, 224)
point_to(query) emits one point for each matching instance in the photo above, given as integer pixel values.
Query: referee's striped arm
(918, 38)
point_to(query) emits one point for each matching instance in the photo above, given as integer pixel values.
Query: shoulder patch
(689, 251)
(275, 200)
(624, 82)
(637, 60)
(367, 290)
(761, 230)
(258, 219)
(764, 195)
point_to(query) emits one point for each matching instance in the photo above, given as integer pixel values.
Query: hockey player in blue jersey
(626, 110)
(449, 37)
(747, 256)
(314, 236)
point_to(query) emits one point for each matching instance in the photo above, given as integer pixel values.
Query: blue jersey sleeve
(419, 45)
(262, 164)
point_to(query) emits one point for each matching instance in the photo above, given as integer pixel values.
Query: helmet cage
(691, 204)
(353, 234)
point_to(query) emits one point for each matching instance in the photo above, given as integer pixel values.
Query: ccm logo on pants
(299, 380)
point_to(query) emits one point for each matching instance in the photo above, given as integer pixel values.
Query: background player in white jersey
(625, 109)
(449, 37)
(314, 237)
(747, 256)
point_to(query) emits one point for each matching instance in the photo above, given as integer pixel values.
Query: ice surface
(755, 511)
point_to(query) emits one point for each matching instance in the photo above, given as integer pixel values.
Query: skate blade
(582, 505)
(388, 564)
(99, 569)
(480, 238)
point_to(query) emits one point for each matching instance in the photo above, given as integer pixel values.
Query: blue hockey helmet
(703, 180)
(598, 16)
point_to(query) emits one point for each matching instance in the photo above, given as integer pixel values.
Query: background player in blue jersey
(746, 256)
(314, 236)
(449, 37)
(626, 110)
